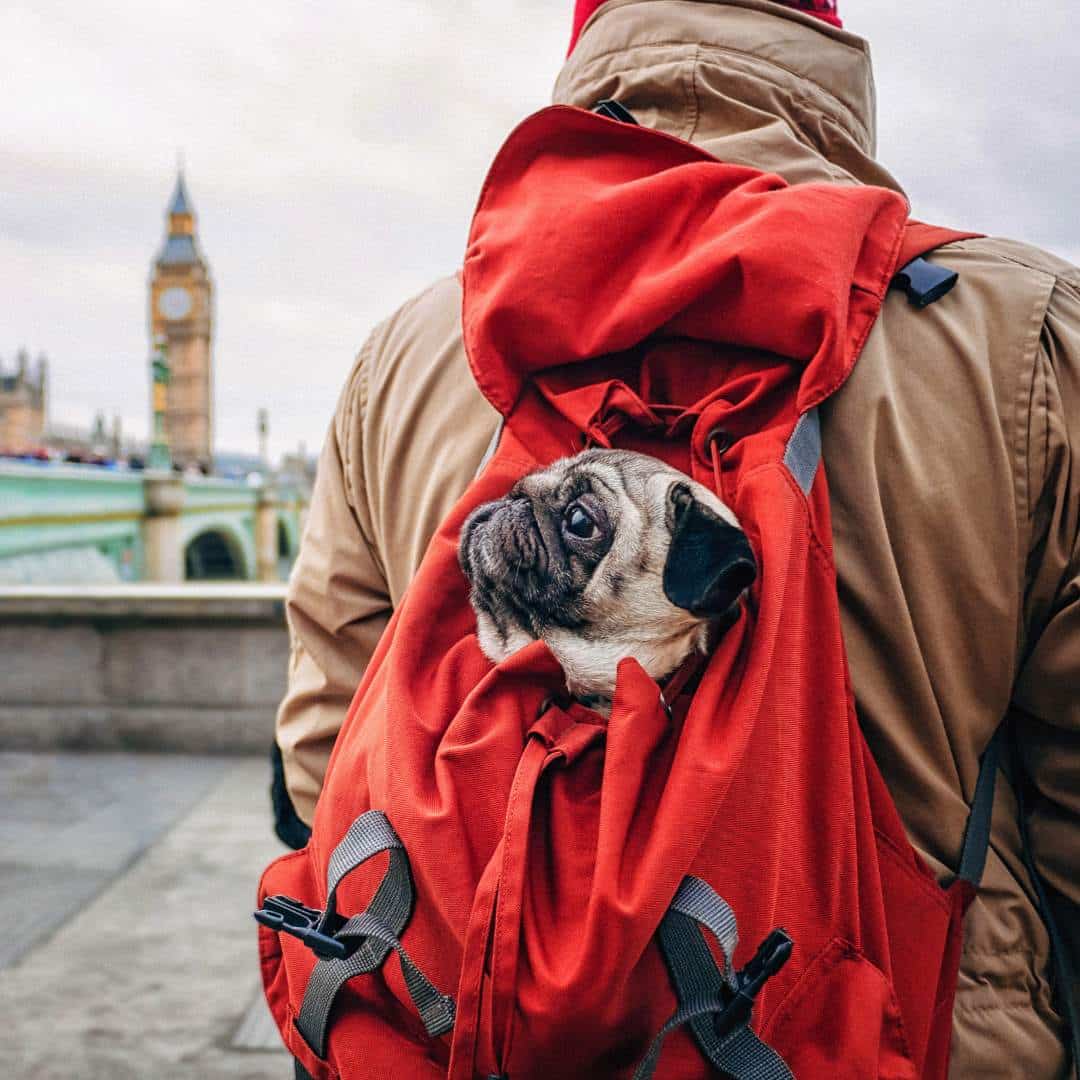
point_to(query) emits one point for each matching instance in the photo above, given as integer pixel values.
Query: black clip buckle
(613, 110)
(289, 916)
(772, 954)
(924, 282)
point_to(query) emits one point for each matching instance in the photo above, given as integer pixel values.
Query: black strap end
(610, 108)
(924, 282)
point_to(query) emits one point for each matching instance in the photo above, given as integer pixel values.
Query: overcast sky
(334, 153)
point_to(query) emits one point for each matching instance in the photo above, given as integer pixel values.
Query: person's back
(951, 461)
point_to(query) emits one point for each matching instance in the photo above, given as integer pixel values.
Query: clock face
(174, 303)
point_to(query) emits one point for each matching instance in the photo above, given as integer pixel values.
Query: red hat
(823, 9)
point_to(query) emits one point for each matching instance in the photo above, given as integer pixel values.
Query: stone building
(181, 316)
(22, 404)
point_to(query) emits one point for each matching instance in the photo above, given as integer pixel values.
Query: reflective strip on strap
(492, 446)
(379, 928)
(802, 455)
(705, 990)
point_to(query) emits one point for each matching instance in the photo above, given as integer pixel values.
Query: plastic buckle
(924, 282)
(772, 954)
(610, 108)
(289, 916)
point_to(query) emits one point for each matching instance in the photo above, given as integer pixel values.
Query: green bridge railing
(86, 524)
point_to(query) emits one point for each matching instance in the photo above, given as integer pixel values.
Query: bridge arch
(217, 551)
(288, 536)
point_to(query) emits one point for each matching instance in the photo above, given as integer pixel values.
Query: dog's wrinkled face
(604, 555)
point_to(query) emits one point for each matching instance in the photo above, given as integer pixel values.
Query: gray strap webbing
(379, 928)
(369, 834)
(492, 446)
(802, 455)
(701, 902)
(692, 1009)
(977, 831)
(704, 990)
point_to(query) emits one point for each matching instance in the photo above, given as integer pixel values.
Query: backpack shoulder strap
(920, 238)
(924, 281)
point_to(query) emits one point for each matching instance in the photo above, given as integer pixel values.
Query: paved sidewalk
(127, 883)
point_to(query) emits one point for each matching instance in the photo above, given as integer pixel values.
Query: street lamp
(159, 457)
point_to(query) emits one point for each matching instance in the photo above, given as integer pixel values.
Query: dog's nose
(736, 572)
(523, 508)
(741, 569)
(483, 513)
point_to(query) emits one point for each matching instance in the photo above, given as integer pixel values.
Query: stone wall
(188, 668)
(22, 423)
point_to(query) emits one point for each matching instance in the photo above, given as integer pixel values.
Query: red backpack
(707, 882)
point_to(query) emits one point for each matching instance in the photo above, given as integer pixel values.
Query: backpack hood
(593, 236)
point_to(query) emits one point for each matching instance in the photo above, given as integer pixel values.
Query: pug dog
(604, 555)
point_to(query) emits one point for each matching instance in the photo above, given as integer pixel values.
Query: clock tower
(181, 319)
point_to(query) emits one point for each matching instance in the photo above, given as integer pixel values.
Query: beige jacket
(953, 457)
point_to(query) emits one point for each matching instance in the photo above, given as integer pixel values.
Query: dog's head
(604, 555)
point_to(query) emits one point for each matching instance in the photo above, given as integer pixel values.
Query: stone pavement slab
(157, 975)
(73, 822)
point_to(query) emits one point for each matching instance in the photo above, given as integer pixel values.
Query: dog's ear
(710, 562)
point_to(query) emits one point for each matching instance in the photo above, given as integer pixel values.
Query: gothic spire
(181, 201)
(180, 244)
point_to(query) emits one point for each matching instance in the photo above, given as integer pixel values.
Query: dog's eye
(579, 524)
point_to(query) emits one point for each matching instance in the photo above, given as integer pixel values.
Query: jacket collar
(750, 81)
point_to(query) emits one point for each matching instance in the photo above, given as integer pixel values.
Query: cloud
(334, 154)
(977, 112)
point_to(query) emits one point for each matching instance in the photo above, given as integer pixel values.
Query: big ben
(181, 316)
